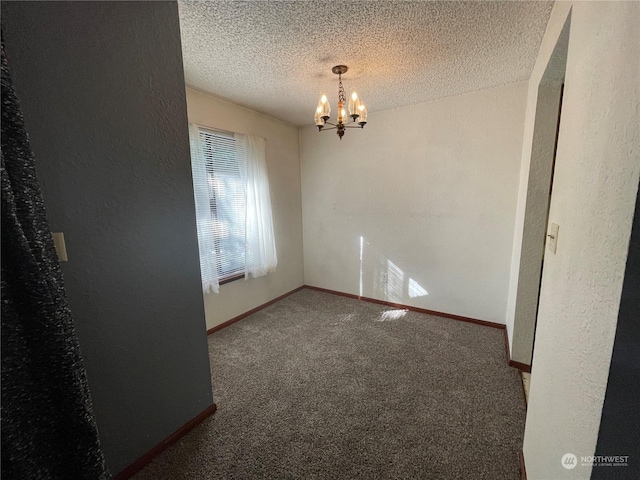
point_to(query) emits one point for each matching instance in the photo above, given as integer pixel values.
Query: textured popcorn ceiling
(276, 57)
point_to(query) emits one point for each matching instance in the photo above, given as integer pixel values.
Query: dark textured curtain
(48, 428)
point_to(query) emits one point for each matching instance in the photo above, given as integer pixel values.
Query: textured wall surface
(102, 90)
(425, 194)
(276, 57)
(283, 165)
(594, 192)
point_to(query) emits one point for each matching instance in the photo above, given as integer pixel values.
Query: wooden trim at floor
(523, 469)
(506, 345)
(523, 367)
(413, 309)
(145, 459)
(520, 366)
(252, 311)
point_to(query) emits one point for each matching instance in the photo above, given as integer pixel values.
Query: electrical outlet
(384, 278)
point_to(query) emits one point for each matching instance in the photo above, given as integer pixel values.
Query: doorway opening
(537, 237)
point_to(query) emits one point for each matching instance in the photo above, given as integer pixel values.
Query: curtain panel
(260, 248)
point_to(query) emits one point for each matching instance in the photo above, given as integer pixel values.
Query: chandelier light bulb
(325, 108)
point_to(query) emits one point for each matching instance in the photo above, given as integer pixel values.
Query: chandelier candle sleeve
(354, 102)
(318, 117)
(362, 117)
(326, 107)
(354, 105)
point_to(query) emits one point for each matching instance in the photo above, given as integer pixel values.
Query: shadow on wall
(383, 279)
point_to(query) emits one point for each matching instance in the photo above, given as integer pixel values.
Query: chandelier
(357, 109)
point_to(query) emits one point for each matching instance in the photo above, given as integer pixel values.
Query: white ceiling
(276, 56)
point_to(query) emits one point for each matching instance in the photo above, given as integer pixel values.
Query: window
(233, 206)
(227, 201)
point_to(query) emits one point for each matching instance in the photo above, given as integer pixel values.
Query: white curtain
(260, 244)
(204, 218)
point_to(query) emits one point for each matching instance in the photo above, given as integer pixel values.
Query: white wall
(594, 191)
(283, 165)
(431, 189)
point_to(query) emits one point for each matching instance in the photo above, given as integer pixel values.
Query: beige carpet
(319, 386)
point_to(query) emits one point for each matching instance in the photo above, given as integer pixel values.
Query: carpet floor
(318, 386)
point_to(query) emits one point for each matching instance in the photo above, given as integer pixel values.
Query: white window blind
(227, 200)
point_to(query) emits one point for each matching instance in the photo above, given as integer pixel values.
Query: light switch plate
(552, 238)
(61, 248)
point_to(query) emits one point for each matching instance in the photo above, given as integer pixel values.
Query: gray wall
(620, 422)
(103, 95)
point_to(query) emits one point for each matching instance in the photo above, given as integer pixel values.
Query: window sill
(232, 278)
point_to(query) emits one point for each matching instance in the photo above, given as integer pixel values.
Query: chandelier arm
(353, 126)
(330, 128)
(343, 123)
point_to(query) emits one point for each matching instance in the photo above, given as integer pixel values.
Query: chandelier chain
(341, 95)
